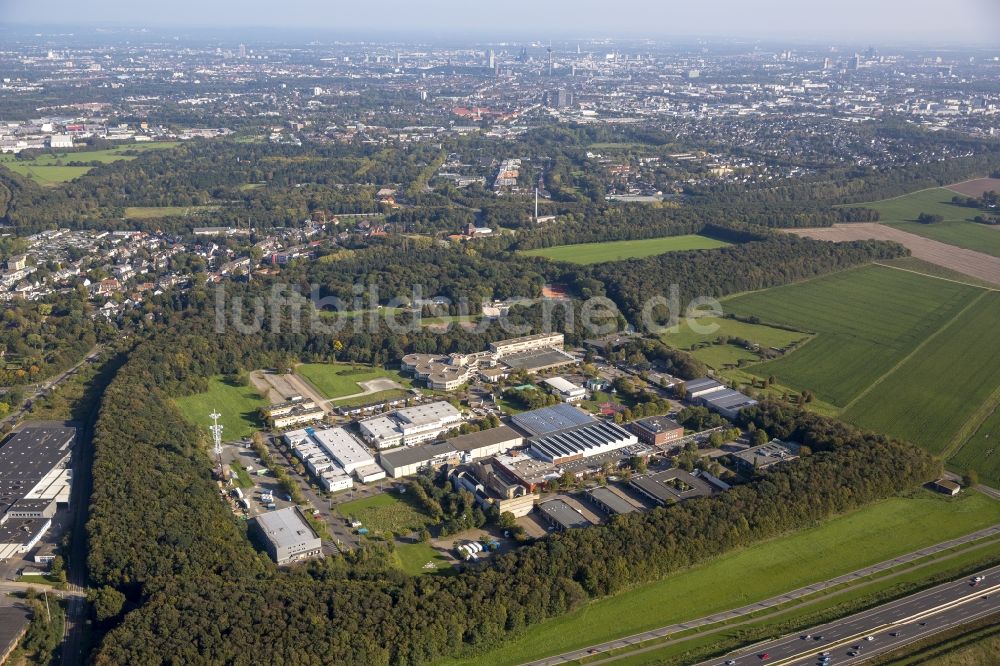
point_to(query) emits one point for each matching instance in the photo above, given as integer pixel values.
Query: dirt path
(969, 262)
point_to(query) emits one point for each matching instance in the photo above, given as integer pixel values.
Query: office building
(286, 536)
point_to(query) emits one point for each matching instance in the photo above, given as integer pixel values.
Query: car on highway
(825, 654)
(817, 637)
(852, 653)
(764, 656)
(731, 662)
(869, 638)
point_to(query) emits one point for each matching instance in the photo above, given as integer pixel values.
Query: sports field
(759, 572)
(933, 394)
(956, 229)
(336, 380)
(596, 253)
(51, 169)
(867, 320)
(238, 406)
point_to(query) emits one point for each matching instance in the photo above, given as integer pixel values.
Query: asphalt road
(857, 638)
(745, 611)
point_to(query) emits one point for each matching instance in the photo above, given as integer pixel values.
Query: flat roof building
(527, 343)
(286, 535)
(561, 516)
(550, 419)
(410, 425)
(672, 485)
(657, 430)
(565, 389)
(765, 456)
(410, 460)
(486, 443)
(727, 402)
(331, 452)
(696, 388)
(35, 478)
(610, 502)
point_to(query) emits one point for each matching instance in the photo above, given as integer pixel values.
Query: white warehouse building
(332, 455)
(411, 425)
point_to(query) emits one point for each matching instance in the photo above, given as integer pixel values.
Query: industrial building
(610, 502)
(657, 430)
(561, 516)
(492, 488)
(671, 486)
(727, 402)
(410, 460)
(410, 425)
(696, 388)
(486, 443)
(332, 455)
(550, 419)
(765, 456)
(566, 390)
(464, 448)
(582, 441)
(35, 480)
(286, 536)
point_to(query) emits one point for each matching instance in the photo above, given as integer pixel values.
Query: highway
(766, 604)
(859, 637)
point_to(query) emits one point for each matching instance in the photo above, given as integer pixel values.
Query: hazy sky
(881, 21)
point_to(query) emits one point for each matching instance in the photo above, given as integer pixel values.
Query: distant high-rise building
(559, 98)
(492, 60)
(854, 63)
(827, 63)
(243, 50)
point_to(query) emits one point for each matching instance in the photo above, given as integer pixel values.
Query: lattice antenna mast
(216, 430)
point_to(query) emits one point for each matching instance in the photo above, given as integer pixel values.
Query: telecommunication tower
(216, 430)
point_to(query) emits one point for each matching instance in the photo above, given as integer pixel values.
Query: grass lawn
(47, 175)
(758, 572)
(765, 336)
(243, 479)
(47, 170)
(385, 512)
(147, 212)
(595, 253)
(237, 404)
(866, 320)
(378, 396)
(957, 228)
(718, 357)
(412, 558)
(929, 398)
(336, 380)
